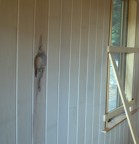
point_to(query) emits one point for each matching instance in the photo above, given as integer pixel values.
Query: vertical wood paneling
(69, 73)
(79, 76)
(119, 133)
(25, 71)
(122, 133)
(39, 98)
(8, 23)
(76, 19)
(16, 73)
(83, 70)
(75, 37)
(105, 39)
(98, 68)
(137, 123)
(110, 139)
(33, 79)
(126, 133)
(90, 74)
(113, 134)
(53, 48)
(106, 138)
(117, 138)
(64, 70)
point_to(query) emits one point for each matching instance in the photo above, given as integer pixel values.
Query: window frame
(117, 114)
(122, 43)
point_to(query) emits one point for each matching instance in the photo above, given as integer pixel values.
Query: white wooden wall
(70, 107)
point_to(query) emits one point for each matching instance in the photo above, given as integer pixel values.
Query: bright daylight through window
(118, 38)
(120, 102)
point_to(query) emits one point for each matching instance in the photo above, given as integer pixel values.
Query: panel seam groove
(17, 57)
(69, 71)
(32, 98)
(79, 76)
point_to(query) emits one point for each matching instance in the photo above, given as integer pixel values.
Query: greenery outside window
(118, 38)
(122, 38)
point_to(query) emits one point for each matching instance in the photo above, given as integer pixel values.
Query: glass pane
(116, 23)
(113, 90)
(116, 40)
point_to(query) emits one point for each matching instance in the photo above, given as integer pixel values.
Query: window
(122, 42)
(118, 38)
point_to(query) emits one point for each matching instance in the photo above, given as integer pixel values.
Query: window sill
(116, 112)
(117, 120)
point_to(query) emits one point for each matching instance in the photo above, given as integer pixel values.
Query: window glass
(118, 38)
(116, 23)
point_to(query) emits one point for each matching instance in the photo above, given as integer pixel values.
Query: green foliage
(116, 22)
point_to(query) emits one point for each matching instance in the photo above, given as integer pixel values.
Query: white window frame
(122, 58)
(122, 93)
(123, 112)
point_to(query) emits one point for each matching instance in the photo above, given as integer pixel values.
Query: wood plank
(99, 47)
(126, 139)
(8, 47)
(83, 78)
(123, 49)
(107, 138)
(25, 63)
(39, 98)
(117, 138)
(74, 63)
(122, 134)
(103, 102)
(91, 72)
(53, 71)
(130, 59)
(64, 80)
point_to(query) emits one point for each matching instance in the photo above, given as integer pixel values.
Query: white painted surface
(8, 22)
(75, 37)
